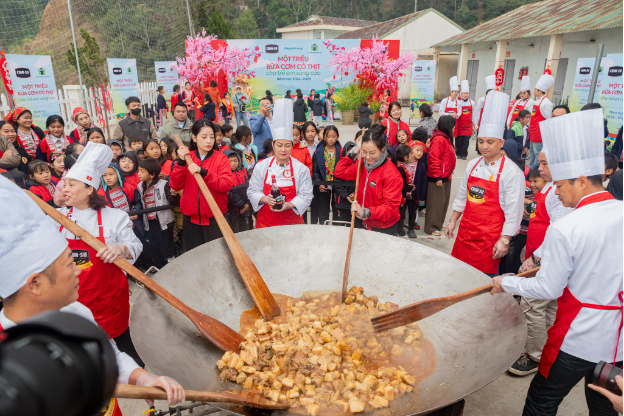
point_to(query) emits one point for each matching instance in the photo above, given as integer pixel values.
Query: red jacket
(42, 192)
(166, 166)
(302, 154)
(441, 162)
(175, 97)
(217, 174)
(392, 129)
(127, 189)
(379, 191)
(132, 180)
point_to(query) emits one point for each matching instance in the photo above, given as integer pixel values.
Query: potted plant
(349, 99)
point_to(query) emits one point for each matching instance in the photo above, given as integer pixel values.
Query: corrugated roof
(335, 21)
(545, 18)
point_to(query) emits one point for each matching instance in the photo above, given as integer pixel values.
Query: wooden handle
(487, 288)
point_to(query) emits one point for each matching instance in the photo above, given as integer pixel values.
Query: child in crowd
(299, 150)
(325, 159)
(175, 97)
(55, 140)
(227, 108)
(343, 196)
(83, 124)
(17, 177)
(239, 207)
(155, 192)
(118, 194)
(57, 165)
(96, 135)
(419, 194)
(41, 182)
(74, 148)
(153, 151)
(117, 147)
(402, 138)
(129, 165)
(228, 130)
(407, 170)
(321, 133)
(310, 131)
(68, 161)
(140, 152)
(317, 109)
(420, 134)
(208, 109)
(135, 143)
(164, 143)
(243, 138)
(219, 144)
(267, 149)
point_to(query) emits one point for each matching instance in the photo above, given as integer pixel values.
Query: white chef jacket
(555, 210)
(125, 364)
(303, 183)
(529, 107)
(576, 248)
(476, 113)
(116, 226)
(448, 103)
(511, 187)
(545, 106)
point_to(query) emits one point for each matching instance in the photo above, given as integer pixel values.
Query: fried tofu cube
(356, 406)
(288, 383)
(313, 409)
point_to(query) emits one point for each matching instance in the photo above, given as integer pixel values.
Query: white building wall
(300, 34)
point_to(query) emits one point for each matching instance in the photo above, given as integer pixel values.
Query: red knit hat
(77, 112)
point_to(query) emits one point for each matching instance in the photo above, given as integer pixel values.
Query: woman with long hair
(28, 135)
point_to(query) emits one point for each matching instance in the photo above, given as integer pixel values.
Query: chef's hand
(349, 198)
(182, 152)
(175, 392)
(500, 249)
(497, 286)
(528, 264)
(450, 228)
(111, 252)
(193, 168)
(322, 188)
(268, 199)
(439, 183)
(285, 206)
(615, 399)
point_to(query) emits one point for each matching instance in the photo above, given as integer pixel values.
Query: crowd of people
(137, 192)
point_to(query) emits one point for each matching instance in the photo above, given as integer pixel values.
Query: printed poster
(34, 86)
(166, 76)
(423, 85)
(582, 82)
(124, 82)
(610, 96)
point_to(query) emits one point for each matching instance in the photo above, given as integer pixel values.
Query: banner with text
(423, 85)
(124, 82)
(281, 65)
(582, 82)
(34, 85)
(610, 96)
(166, 76)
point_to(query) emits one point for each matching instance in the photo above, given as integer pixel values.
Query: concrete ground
(505, 395)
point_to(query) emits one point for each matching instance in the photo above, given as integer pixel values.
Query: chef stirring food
(322, 355)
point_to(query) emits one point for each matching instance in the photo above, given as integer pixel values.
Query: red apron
(103, 286)
(463, 126)
(481, 224)
(538, 223)
(536, 116)
(516, 110)
(510, 107)
(267, 217)
(568, 307)
(451, 110)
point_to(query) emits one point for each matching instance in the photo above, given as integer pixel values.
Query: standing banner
(582, 82)
(34, 85)
(293, 64)
(166, 76)
(611, 92)
(124, 83)
(423, 85)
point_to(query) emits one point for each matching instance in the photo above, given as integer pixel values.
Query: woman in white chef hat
(39, 274)
(291, 176)
(575, 268)
(542, 110)
(103, 286)
(524, 103)
(448, 106)
(490, 199)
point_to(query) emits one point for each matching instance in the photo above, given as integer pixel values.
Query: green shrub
(351, 96)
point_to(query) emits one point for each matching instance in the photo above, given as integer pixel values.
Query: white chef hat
(454, 83)
(494, 115)
(28, 241)
(91, 164)
(574, 144)
(282, 128)
(525, 83)
(544, 82)
(490, 82)
(465, 86)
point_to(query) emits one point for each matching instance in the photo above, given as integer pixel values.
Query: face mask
(136, 111)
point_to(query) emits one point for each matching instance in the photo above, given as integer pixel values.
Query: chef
(291, 176)
(448, 106)
(490, 196)
(524, 103)
(463, 127)
(103, 286)
(541, 110)
(490, 84)
(39, 274)
(574, 268)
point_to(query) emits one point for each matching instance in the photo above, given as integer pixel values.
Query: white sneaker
(437, 233)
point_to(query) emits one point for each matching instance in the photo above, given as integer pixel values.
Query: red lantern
(346, 73)
(500, 76)
(547, 70)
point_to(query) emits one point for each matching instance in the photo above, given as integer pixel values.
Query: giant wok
(475, 341)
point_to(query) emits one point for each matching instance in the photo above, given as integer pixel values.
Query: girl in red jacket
(393, 123)
(440, 167)
(379, 192)
(55, 141)
(154, 151)
(118, 193)
(198, 223)
(41, 183)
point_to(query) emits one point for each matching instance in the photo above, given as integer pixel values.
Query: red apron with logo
(481, 223)
(463, 127)
(514, 108)
(103, 286)
(568, 307)
(269, 218)
(536, 116)
(538, 224)
(451, 110)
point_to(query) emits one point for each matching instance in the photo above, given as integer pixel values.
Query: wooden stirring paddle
(244, 398)
(260, 293)
(425, 308)
(216, 332)
(345, 276)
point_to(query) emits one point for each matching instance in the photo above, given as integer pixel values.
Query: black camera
(604, 376)
(56, 364)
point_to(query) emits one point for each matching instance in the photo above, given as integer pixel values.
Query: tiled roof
(334, 21)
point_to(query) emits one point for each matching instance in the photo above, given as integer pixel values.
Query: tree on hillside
(219, 26)
(305, 8)
(245, 26)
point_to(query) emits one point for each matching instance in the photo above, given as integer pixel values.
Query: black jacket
(299, 110)
(237, 196)
(364, 112)
(317, 107)
(342, 192)
(208, 110)
(319, 171)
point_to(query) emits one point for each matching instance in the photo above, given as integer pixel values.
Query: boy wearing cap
(542, 110)
(588, 325)
(463, 127)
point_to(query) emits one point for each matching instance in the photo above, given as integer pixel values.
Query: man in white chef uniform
(38, 274)
(588, 289)
(448, 106)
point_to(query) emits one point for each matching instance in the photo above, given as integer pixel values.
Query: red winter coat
(392, 129)
(302, 154)
(441, 161)
(217, 174)
(132, 180)
(379, 191)
(41, 191)
(127, 189)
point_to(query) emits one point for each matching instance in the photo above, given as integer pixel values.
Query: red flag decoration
(4, 69)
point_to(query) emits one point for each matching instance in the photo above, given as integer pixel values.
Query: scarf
(397, 122)
(379, 162)
(28, 141)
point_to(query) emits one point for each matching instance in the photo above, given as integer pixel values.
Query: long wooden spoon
(262, 297)
(345, 276)
(425, 308)
(244, 398)
(219, 334)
